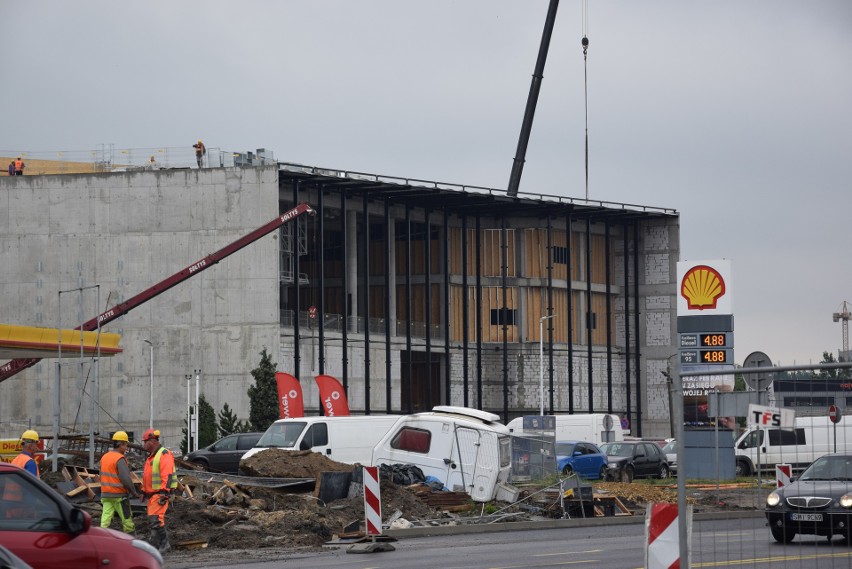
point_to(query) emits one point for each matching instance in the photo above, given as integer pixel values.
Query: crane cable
(585, 43)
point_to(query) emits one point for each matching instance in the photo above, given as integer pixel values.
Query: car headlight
(148, 548)
(773, 499)
(613, 465)
(846, 501)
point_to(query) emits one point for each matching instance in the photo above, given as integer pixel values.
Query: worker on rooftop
(200, 151)
(19, 166)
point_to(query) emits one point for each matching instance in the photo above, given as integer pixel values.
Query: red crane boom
(9, 369)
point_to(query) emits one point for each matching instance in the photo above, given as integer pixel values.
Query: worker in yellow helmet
(200, 151)
(116, 484)
(29, 446)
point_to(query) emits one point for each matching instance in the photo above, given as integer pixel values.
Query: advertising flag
(290, 401)
(332, 397)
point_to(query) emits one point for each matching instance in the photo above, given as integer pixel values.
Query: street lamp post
(541, 360)
(151, 401)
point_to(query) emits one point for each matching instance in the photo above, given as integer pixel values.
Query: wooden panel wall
(537, 307)
(598, 259)
(599, 308)
(491, 253)
(418, 256)
(418, 303)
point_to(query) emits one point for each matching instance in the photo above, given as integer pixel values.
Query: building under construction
(411, 293)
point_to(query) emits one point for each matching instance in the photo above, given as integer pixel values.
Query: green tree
(263, 395)
(827, 358)
(229, 423)
(207, 427)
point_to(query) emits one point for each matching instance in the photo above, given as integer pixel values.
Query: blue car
(584, 458)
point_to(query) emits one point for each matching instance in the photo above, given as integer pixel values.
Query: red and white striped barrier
(782, 474)
(662, 544)
(372, 501)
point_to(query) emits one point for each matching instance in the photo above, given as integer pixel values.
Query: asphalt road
(741, 542)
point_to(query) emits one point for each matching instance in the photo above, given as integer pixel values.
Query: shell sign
(705, 288)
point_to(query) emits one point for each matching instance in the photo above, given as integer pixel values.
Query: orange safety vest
(19, 165)
(111, 486)
(159, 473)
(21, 462)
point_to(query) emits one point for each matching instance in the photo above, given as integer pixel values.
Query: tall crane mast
(843, 317)
(11, 368)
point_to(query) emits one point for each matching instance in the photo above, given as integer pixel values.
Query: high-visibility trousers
(156, 509)
(120, 506)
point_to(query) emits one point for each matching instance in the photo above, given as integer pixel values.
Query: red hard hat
(151, 434)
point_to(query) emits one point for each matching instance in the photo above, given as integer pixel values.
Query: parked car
(819, 502)
(635, 459)
(41, 527)
(670, 450)
(224, 455)
(581, 457)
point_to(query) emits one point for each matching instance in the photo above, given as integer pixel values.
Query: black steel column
(428, 280)
(366, 265)
(447, 367)
(504, 240)
(465, 309)
(589, 313)
(478, 314)
(550, 310)
(408, 307)
(297, 336)
(321, 207)
(608, 260)
(344, 214)
(638, 354)
(628, 412)
(570, 255)
(389, 250)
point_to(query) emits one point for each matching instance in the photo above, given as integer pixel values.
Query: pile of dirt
(277, 463)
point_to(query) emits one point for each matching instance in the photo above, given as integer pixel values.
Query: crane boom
(11, 368)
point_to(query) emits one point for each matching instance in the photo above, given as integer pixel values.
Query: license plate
(806, 517)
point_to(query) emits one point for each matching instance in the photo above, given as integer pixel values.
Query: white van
(811, 438)
(597, 428)
(466, 449)
(342, 439)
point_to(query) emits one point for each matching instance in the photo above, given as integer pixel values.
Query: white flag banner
(778, 417)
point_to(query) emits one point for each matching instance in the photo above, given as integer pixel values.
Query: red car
(42, 528)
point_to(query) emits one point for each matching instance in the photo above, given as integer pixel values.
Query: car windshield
(617, 449)
(281, 435)
(670, 448)
(836, 467)
(564, 449)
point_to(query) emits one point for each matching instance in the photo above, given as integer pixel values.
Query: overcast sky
(736, 113)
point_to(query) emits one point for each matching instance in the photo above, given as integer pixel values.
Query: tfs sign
(767, 417)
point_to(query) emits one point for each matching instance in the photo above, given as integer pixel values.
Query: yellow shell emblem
(702, 286)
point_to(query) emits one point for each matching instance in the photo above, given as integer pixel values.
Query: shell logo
(702, 286)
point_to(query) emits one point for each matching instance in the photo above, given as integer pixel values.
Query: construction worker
(158, 484)
(117, 485)
(29, 446)
(200, 151)
(19, 166)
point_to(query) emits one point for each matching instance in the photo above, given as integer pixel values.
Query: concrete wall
(126, 232)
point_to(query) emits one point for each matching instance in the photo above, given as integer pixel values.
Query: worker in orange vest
(158, 484)
(19, 167)
(29, 446)
(117, 485)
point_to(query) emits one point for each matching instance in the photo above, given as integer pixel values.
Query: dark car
(635, 459)
(224, 455)
(42, 528)
(584, 458)
(819, 502)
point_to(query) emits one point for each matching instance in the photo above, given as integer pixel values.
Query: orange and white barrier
(782, 475)
(662, 544)
(372, 501)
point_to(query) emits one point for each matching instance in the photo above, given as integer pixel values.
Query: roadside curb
(554, 524)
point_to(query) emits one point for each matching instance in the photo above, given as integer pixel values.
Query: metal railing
(107, 158)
